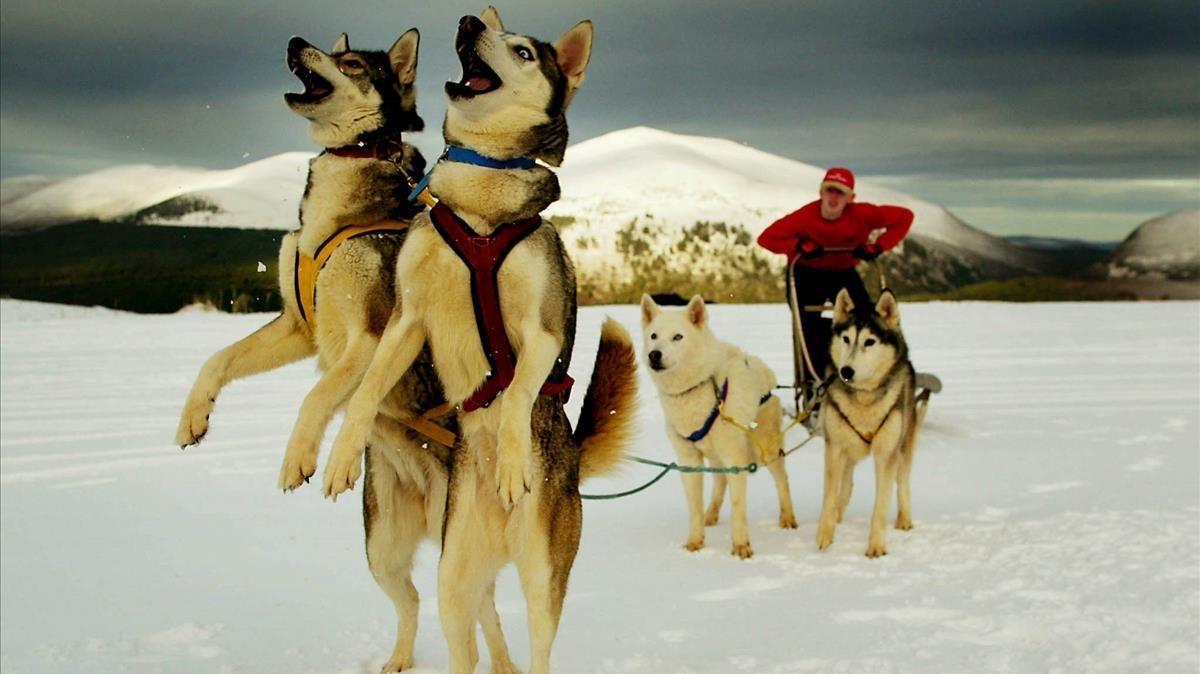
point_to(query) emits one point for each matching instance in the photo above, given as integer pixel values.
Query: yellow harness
(307, 269)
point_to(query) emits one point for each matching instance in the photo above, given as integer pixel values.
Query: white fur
(692, 359)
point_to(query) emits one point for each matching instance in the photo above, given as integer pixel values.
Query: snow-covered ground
(1056, 492)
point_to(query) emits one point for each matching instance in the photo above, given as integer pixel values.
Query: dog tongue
(479, 83)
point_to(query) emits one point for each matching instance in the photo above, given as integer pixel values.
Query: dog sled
(807, 384)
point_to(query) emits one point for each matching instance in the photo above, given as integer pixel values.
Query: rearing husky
(357, 103)
(871, 408)
(486, 282)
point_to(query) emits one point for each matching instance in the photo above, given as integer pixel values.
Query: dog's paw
(788, 521)
(397, 663)
(503, 667)
(344, 469)
(299, 464)
(904, 522)
(514, 475)
(876, 550)
(824, 537)
(193, 422)
(742, 551)
(694, 545)
(712, 517)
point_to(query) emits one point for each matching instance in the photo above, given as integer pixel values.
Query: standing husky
(870, 408)
(700, 381)
(358, 104)
(486, 282)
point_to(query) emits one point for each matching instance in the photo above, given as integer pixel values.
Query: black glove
(868, 251)
(809, 249)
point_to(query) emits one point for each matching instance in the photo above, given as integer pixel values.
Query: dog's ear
(341, 46)
(574, 50)
(491, 19)
(888, 310)
(697, 312)
(843, 306)
(649, 309)
(403, 56)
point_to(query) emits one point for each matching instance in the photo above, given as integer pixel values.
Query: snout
(469, 27)
(655, 358)
(847, 373)
(295, 47)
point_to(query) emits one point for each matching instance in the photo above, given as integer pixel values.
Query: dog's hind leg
(470, 560)
(319, 406)
(903, 492)
(787, 516)
(394, 519)
(713, 514)
(493, 634)
(549, 540)
(275, 344)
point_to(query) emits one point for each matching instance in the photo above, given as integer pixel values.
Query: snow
(1056, 497)
(260, 195)
(1168, 245)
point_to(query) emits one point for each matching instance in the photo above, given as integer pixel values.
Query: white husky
(702, 382)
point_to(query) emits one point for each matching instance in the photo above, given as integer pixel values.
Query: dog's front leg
(398, 347)
(275, 344)
(514, 474)
(693, 489)
(300, 461)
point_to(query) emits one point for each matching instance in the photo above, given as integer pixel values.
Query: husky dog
(358, 103)
(516, 470)
(870, 408)
(701, 381)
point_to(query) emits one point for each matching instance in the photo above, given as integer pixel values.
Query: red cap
(839, 178)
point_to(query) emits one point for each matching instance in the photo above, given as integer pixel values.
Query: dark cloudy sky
(1056, 118)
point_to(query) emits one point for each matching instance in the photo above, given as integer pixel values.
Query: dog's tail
(606, 421)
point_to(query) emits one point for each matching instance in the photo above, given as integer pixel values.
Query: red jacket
(851, 230)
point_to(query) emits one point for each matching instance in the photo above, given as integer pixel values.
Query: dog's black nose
(471, 24)
(295, 46)
(655, 357)
(847, 373)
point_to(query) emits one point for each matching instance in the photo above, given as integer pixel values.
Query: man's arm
(783, 235)
(895, 221)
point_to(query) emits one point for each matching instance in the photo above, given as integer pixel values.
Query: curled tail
(606, 421)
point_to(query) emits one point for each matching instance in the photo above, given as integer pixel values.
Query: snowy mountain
(634, 200)
(1165, 247)
(260, 195)
(642, 209)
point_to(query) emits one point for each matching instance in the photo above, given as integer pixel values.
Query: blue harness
(462, 155)
(700, 433)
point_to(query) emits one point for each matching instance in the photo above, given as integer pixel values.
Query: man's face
(834, 202)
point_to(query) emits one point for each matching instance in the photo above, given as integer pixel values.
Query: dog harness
(483, 256)
(307, 268)
(869, 435)
(721, 394)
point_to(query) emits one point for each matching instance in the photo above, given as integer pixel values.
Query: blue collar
(462, 155)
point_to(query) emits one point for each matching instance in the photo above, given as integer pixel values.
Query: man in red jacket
(835, 221)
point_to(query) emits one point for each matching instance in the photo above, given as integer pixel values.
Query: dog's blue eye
(524, 53)
(676, 338)
(869, 342)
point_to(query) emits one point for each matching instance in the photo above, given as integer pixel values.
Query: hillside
(1166, 247)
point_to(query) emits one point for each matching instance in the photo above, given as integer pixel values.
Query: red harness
(483, 256)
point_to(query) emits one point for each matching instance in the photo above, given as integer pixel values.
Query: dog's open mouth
(316, 87)
(477, 77)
